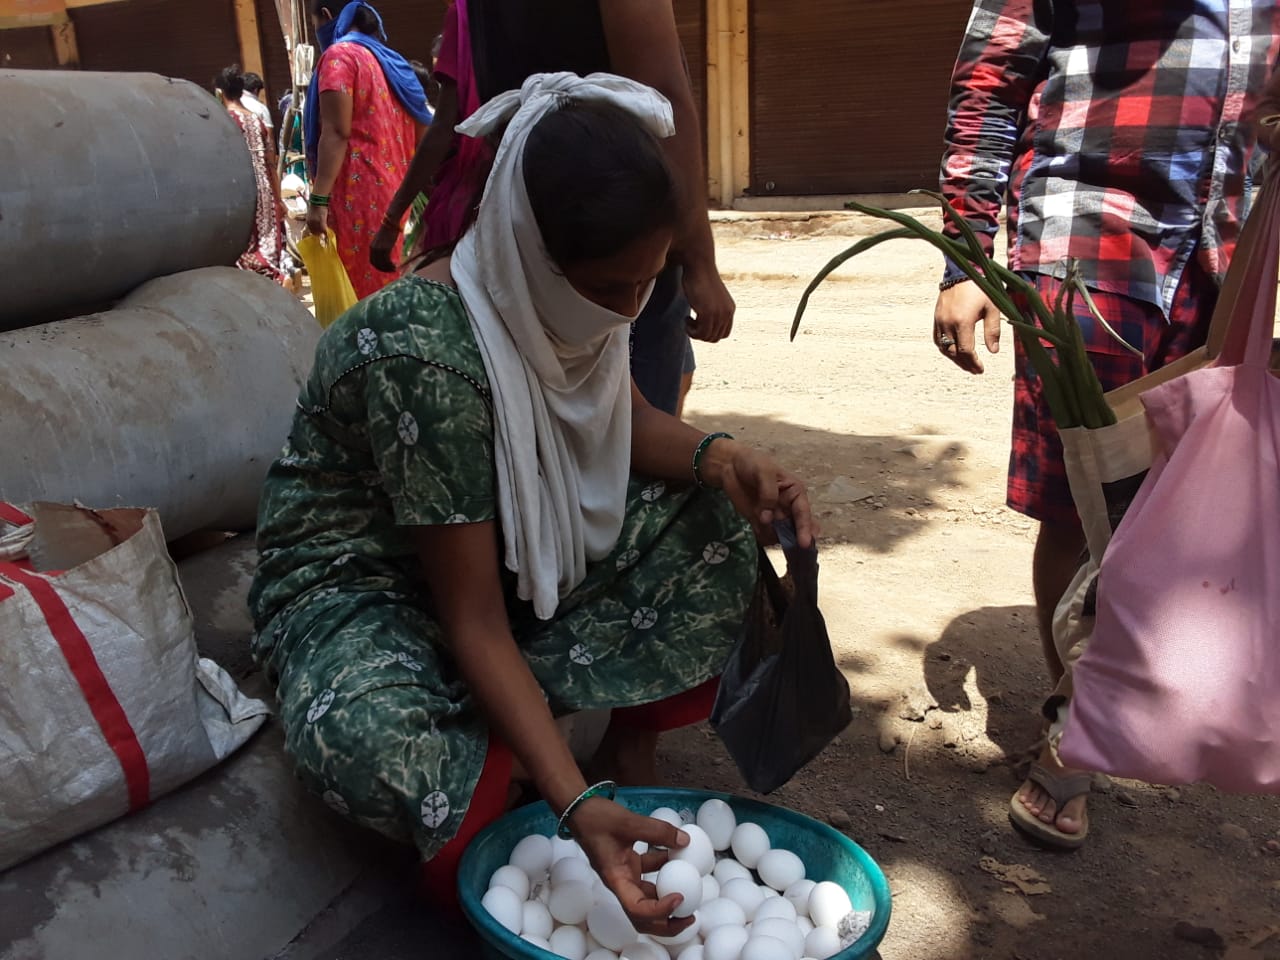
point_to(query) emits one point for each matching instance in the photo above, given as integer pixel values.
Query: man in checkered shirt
(1120, 131)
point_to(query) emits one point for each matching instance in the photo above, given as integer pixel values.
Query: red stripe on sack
(11, 514)
(97, 692)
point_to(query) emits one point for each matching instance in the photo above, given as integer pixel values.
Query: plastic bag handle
(802, 562)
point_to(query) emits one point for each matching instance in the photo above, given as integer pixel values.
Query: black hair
(365, 21)
(230, 82)
(422, 71)
(597, 182)
(253, 83)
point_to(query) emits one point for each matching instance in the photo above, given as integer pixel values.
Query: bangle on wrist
(319, 200)
(952, 282)
(701, 449)
(605, 788)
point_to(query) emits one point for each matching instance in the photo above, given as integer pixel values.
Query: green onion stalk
(1071, 386)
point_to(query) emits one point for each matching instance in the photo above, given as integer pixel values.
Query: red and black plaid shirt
(1117, 128)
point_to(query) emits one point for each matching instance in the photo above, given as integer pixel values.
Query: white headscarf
(558, 365)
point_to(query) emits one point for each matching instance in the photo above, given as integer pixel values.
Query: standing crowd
(489, 511)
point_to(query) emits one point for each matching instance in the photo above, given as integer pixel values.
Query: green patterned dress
(394, 429)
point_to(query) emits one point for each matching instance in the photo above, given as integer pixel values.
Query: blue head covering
(400, 77)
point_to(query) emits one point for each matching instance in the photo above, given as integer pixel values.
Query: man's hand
(712, 304)
(382, 250)
(956, 316)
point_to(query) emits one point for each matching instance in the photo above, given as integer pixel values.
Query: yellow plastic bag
(331, 289)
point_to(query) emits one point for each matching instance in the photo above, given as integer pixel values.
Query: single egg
(766, 948)
(719, 913)
(745, 894)
(727, 869)
(717, 818)
(682, 877)
(749, 844)
(644, 951)
(504, 906)
(610, 925)
(784, 930)
(780, 869)
(602, 954)
(513, 878)
(687, 935)
(569, 942)
(572, 870)
(698, 852)
(710, 888)
(533, 856)
(798, 894)
(570, 903)
(667, 815)
(725, 943)
(775, 908)
(822, 942)
(536, 919)
(695, 951)
(538, 942)
(828, 904)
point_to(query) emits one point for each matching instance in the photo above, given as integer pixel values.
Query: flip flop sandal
(1062, 789)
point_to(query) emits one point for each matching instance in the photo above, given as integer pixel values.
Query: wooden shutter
(192, 41)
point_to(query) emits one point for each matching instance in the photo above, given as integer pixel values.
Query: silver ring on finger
(944, 341)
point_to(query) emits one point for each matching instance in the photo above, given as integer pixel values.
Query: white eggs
(784, 930)
(667, 815)
(536, 919)
(798, 894)
(745, 894)
(725, 943)
(722, 912)
(806, 927)
(569, 942)
(775, 908)
(537, 942)
(602, 954)
(828, 904)
(610, 925)
(681, 877)
(710, 888)
(570, 903)
(504, 906)
(533, 856)
(766, 948)
(780, 869)
(644, 951)
(717, 819)
(560, 849)
(749, 844)
(728, 869)
(572, 870)
(695, 952)
(513, 878)
(822, 942)
(699, 852)
(687, 935)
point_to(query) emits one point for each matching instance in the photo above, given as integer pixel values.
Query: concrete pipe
(111, 180)
(179, 398)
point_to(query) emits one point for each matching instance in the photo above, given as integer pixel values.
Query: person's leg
(686, 381)
(659, 340)
(629, 748)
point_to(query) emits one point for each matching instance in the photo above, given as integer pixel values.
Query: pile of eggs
(749, 901)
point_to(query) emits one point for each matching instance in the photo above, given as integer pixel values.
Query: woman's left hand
(762, 491)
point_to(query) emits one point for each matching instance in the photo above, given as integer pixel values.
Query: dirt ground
(926, 589)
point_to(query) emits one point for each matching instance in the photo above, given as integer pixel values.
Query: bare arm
(432, 150)
(663, 447)
(335, 137)
(460, 564)
(645, 46)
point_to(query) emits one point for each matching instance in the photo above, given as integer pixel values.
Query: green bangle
(709, 439)
(319, 200)
(605, 788)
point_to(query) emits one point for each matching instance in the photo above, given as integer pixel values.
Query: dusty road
(926, 588)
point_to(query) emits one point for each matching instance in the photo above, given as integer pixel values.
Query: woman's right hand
(380, 251)
(317, 220)
(608, 832)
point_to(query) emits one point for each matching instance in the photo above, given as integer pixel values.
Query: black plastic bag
(782, 698)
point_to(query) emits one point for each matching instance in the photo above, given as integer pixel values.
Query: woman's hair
(365, 20)
(597, 182)
(230, 82)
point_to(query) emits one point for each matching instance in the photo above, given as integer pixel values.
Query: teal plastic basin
(827, 855)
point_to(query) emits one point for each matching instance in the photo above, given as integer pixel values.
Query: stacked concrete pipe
(179, 395)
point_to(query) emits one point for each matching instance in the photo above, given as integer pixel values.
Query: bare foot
(1070, 819)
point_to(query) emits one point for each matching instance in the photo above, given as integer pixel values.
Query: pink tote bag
(1181, 683)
